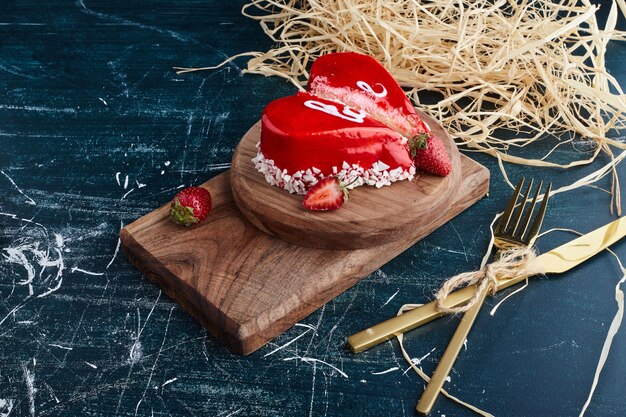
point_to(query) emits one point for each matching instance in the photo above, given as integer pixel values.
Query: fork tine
(503, 223)
(522, 206)
(534, 229)
(520, 234)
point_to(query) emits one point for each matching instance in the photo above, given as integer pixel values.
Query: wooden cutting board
(247, 287)
(371, 217)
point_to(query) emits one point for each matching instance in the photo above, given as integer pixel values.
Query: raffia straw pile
(534, 67)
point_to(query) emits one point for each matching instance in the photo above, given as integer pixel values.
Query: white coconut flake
(383, 166)
(354, 175)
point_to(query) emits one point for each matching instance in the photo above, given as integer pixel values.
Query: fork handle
(428, 398)
(419, 316)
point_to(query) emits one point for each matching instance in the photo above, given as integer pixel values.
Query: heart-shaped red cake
(355, 123)
(305, 138)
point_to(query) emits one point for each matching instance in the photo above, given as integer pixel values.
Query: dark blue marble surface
(96, 130)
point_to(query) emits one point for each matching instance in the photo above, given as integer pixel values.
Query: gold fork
(510, 232)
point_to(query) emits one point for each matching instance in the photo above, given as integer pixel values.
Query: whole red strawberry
(326, 194)
(430, 154)
(191, 205)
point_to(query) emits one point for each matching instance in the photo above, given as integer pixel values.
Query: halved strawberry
(327, 194)
(363, 83)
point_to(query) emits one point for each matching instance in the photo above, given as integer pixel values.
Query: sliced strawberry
(327, 194)
(362, 83)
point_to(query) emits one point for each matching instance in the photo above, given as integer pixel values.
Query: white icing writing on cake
(368, 89)
(347, 113)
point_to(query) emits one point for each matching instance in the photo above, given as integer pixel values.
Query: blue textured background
(96, 130)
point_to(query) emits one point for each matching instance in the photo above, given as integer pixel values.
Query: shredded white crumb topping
(353, 175)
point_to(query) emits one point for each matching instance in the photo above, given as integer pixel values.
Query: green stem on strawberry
(344, 187)
(418, 142)
(182, 214)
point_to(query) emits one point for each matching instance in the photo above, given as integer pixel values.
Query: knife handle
(428, 398)
(426, 313)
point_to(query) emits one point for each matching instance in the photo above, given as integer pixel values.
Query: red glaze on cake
(362, 83)
(305, 138)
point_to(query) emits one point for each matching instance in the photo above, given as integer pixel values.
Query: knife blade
(558, 260)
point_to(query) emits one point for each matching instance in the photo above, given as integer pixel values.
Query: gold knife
(556, 261)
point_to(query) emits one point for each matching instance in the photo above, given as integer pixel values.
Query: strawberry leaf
(182, 214)
(418, 142)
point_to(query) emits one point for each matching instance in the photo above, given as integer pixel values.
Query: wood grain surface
(371, 217)
(246, 286)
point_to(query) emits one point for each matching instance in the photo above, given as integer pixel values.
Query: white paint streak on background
(386, 371)
(391, 298)
(127, 22)
(6, 405)
(28, 254)
(29, 379)
(315, 361)
(39, 109)
(167, 325)
(286, 344)
(19, 190)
